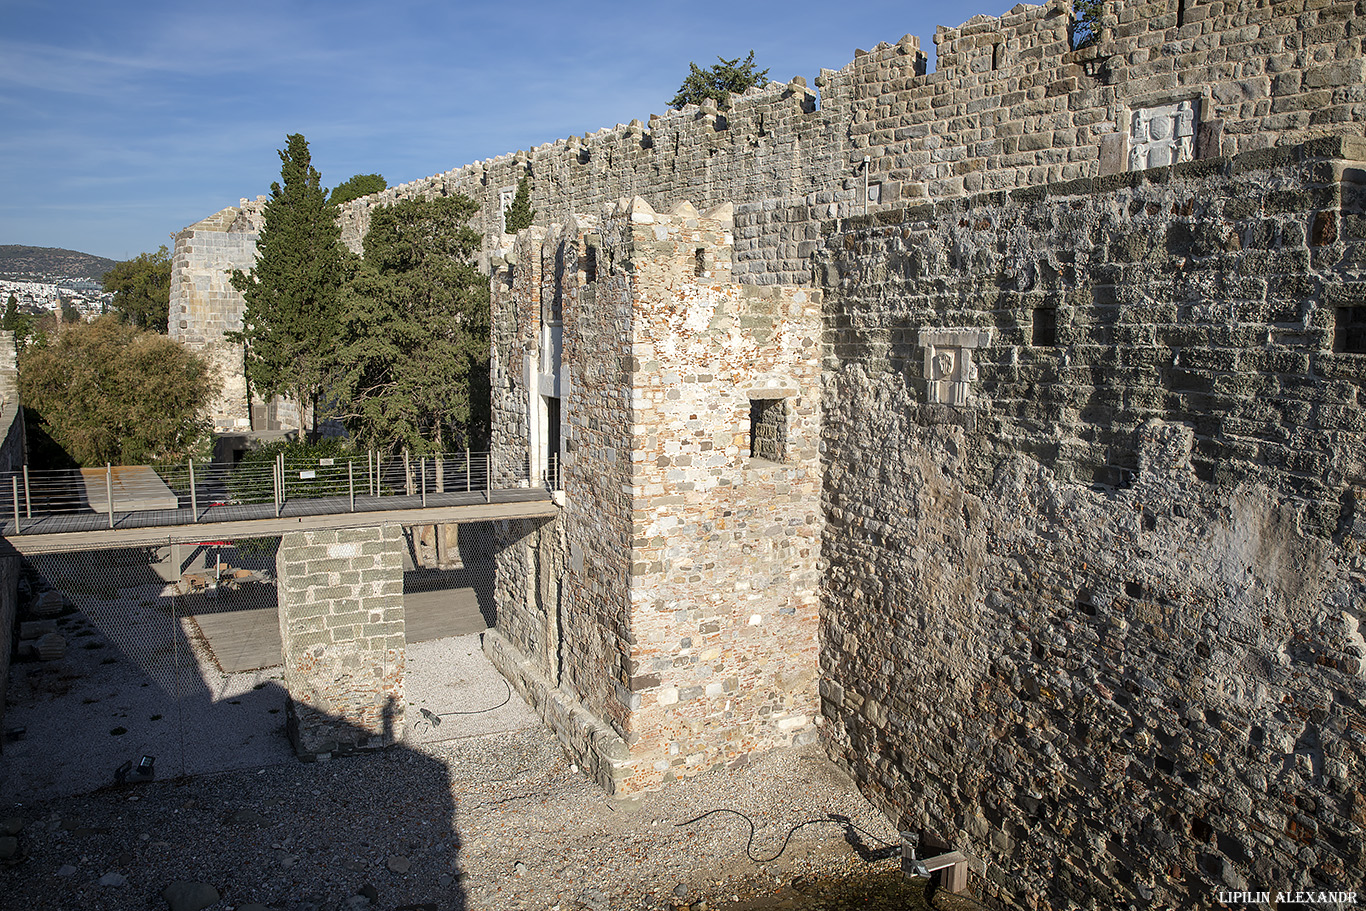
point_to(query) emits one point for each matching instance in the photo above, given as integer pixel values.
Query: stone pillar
(341, 628)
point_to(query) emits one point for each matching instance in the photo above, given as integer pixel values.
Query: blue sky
(123, 122)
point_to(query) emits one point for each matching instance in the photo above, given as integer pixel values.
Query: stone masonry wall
(723, 609)
(12, 458)
(1010, 105)
(341, 626)
(204, 306)
(1100, 625)
(672, 607)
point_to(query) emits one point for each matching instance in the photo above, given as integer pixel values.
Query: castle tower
(666, 622)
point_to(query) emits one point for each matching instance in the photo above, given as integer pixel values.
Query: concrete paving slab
(135, 487)
(248, 639)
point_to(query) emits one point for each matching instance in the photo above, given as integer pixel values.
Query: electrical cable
(839, 820)
(435, 717)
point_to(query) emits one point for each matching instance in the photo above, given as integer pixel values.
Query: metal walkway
(74, 513)
(50, 534)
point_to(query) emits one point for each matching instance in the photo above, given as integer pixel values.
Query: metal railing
(190, 492)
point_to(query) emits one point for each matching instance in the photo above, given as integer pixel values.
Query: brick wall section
(341, 626)
(1102, 626)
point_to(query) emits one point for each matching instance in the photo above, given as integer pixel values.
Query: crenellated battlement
(1011, 104)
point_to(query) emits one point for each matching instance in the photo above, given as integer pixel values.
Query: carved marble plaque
(949, 370)
(1163, 135)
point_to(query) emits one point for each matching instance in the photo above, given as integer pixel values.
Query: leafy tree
(520, 214)
(1086, 22)
(290, 320)
(356, 187)
(21, 324)
(142, 289)
(69, 312)
(718, 82)
(251, 480)
(413, 345)
(109, 392)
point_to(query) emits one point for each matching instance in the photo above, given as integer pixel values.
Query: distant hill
(19, 262)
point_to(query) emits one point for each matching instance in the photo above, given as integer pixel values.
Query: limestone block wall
(204, 305)
(724, 541)
(673, 604)
(1100, 625)
(342, 632)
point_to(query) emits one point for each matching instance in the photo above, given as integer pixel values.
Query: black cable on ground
(843, 821)
(435, 717)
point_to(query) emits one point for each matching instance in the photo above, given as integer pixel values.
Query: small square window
(768, 429)
(1349, 330)
(1045, 332)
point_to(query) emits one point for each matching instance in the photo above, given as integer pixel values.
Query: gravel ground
(501, 821)
(480, 811)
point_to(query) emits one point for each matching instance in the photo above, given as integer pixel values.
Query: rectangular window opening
(590, 264)
(997, 55)
(700, 262)
(1349, 330)
(768, 429)
(1045, 330)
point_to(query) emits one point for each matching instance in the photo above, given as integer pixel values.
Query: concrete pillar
(341, 626)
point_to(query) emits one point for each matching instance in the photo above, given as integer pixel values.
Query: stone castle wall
(673, 603)
(12, 458)
(1100, 625)
(1010, 105)
(204, 305)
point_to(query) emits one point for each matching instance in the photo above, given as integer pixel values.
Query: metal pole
(109, 490)
(28, 502)
(279, 484)
(422, 463)
(468, 485)
(407, 474)
(351, 482)
(370, 469)
(194, 498)
(15, 481)
(488, 477)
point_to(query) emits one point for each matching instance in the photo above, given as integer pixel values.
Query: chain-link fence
(169, 656)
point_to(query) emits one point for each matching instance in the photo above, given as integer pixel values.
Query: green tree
(290, 320)
(142, 289)
(413, 345)
(21, 324)
(356, 187)
(1086, 22)
(718, 82)
(519, 215)
(109, 392)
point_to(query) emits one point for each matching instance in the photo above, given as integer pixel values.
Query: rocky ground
(501, 821)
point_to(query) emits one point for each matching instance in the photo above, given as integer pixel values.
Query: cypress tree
(520, 214)
(290, 320)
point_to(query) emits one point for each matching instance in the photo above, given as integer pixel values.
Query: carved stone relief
(1163, 135)
(949, 370)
